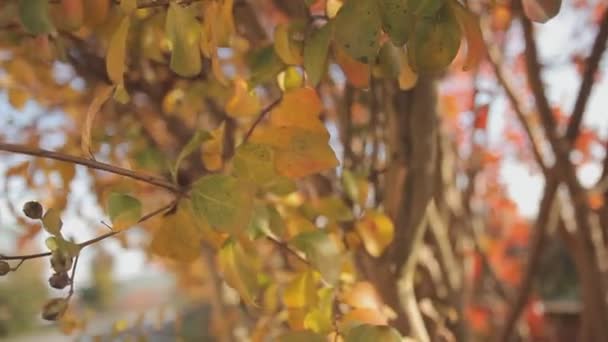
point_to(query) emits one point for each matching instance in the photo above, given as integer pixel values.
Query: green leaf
(264, 64)
(322, 252)
(240, 270)
(301, 336)
(124, 210)
(184, 33)
(389, 59)
(357, 29)
(397, 20)
(425, 8)
(34, 15)
(377, 333)
(51, 243)
(435, 42)
(225, 201)
(316, 49)
(51, 221)
(195, 141)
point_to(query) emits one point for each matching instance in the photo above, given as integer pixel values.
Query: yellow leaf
(290, 79)
(117, 50)
(285, 47)
(298, 152)
(51, 221)
(240, 269)
(299, 108)
(376, 230)
(184, 32)
(102, 94)
(17, 97)
(243, 103)
(301, 292)
(213, 148)
(127, 6)
(179, 236)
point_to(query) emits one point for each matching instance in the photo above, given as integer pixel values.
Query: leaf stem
(260, 117)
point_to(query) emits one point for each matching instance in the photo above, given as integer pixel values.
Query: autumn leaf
(357, 29)
(301, 291)
(389, 60)
(124, 210)
(213, 148)
(322, 252)
(102, 94)
(243, 102)
(240, 269)
(68, 15)
(226, 202)
(376, 231)
(116, 58)
(289, 79)
(34, 15)
(254, 162)
(316, 49)
(357, 73)
(51, 221)
(286, 48)
(435, 42)
(469, 25)
(194, 143)
(179, 236)
(397, 19)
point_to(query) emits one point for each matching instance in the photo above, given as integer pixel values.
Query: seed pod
(59, 280)
(33, 210)
(54, 309)
(4, 268)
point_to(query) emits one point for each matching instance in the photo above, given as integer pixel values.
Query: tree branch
(93, 164)
(548, 217)
(591, 67)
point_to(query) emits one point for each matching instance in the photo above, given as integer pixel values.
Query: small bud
(4, 268)
(60, 262)
(33, 210)
(54, 309)
(59, 280)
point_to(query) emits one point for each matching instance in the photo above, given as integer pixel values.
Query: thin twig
(93, 164)
(516, 104)
(285, 247)
(72, 276)
(88, 242)
(260, 117)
